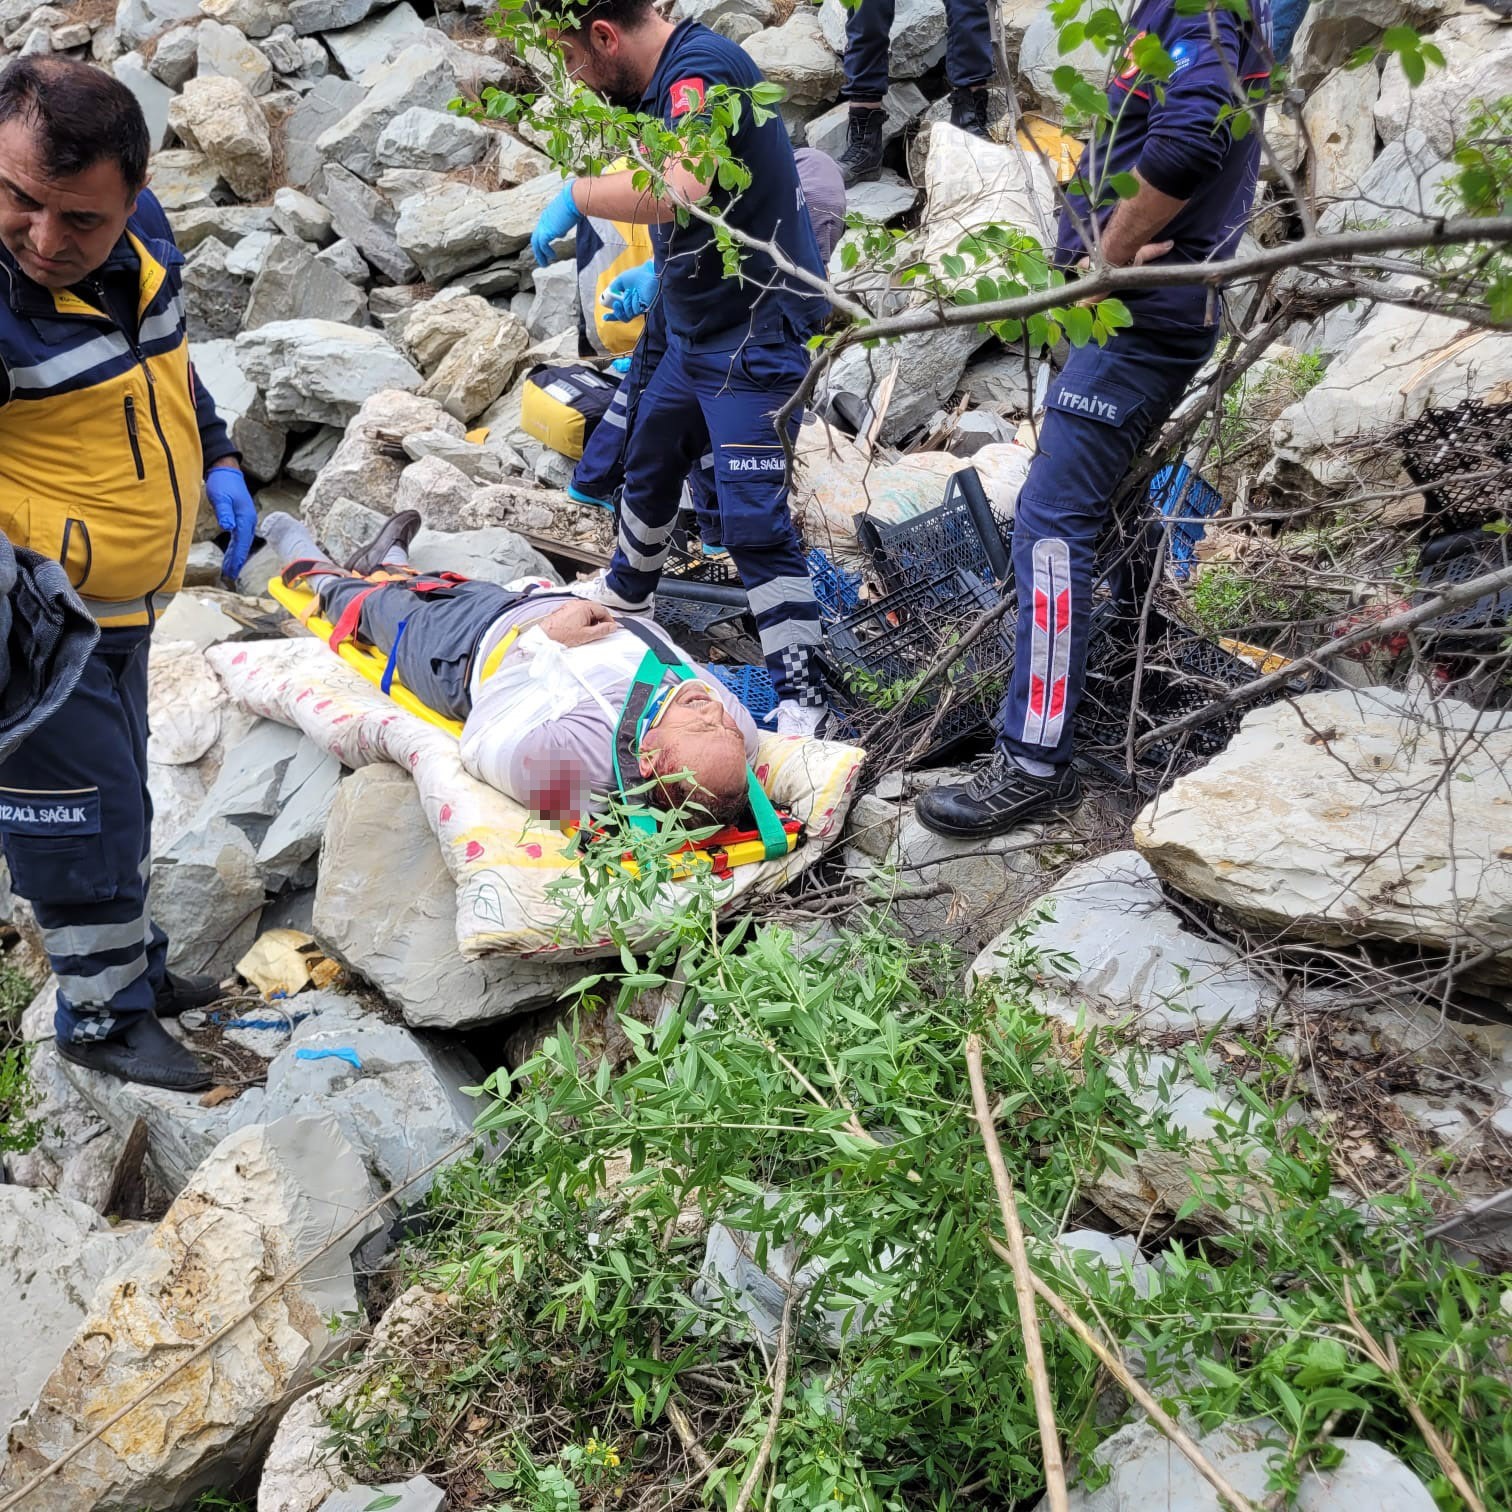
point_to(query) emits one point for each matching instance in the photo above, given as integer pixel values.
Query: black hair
(574, 15)
(81, 115)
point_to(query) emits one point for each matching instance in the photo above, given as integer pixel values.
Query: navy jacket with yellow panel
(105, 431)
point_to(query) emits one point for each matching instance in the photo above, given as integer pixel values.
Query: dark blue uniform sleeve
(1185, 145)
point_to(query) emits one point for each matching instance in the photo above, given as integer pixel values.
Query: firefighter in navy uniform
(105, 438)
(735, 351)
(1196, 185)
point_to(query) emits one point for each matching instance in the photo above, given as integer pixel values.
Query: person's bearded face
(595, 57)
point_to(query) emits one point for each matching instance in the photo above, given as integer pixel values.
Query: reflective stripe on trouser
(1105, 404)
(723, 402)
(76, 818)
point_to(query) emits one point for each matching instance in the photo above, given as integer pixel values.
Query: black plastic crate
(927, 546)
(1464, 630)
(877, 655)
(1183, 672)
(1447, 454)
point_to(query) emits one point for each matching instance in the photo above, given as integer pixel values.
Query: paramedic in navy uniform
(1196, 185)
(736, 345)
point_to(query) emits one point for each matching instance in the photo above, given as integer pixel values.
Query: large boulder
(491, 553)
(373, 42)
(182, 179)
(322, 106)
(735, 19)
(1040, 55)
(432, 329)
(364, 466)
(366, 219)
(207, 893)
(224, 53)
(457, 229)
(1332, 31)
(154, 96)
(1352, 815)
(797, 56)
(1103, 946)
(137, 20)
(219, 118)
(1139, 1469)
(293, 284)
(480, 367)
(1477, 67)
(53, 1254)
(1341, 131)
(420, 75)
(404, 939)
(436, 139)
(396, 1096)
(1399, 364)
(916, 41)
(267, 1200)
(972, 183)
(317, 372)
(930, 365)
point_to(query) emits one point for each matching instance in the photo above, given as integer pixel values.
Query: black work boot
(862, 159)
(143, 1052)
(397, 530)
(1000, 796)
(968, 112)
(179, 994)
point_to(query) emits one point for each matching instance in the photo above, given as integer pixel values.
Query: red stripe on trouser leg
(1063, 610)
(1050, 650)
(1058, 697)
(1041, 610)
(1036, 695)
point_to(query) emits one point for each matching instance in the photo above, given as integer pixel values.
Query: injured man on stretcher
(545, 684)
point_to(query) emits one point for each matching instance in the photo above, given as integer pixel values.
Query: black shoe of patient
(1000, 796)
(397, 530)
(143, 1052)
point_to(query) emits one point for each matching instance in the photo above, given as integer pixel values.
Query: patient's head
(693, 733)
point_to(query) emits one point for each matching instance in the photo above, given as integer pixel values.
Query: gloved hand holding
(557, 219)
(235, 512)
(632, 292)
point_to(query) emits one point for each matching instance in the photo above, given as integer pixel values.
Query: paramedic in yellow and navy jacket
(106, 436)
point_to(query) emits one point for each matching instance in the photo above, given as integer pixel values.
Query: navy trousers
(1102, 409)
(723, 403)
(76, 820)
(429, 637)
(600, 472)
(968, 47)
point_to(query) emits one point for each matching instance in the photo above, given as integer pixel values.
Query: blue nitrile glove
(621, 365)
(632, 292)
(557, 219)
(234, 511)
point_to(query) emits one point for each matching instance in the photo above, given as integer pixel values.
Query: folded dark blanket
(46, 634)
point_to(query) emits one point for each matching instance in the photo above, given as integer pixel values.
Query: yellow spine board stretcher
(372, 664)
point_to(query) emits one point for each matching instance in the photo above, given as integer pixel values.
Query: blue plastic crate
(753, 687)
(1177, 490)
(838, 591)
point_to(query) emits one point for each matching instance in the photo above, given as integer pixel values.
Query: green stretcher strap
(643, 688)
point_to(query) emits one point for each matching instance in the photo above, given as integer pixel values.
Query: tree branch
(1023, 1282)
(1448, 601)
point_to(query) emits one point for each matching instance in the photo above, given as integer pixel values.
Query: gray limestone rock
(347, 261)
(223, 52)
(53, 1254)
(318, 371)
(231, 223)
(182, 179)
(215, 299)
(363, 47)
(459, 229)
(296, 214)
(293, 284)
(323, 105)
(306, 460)
(151, 93)
(404, 940)
(423, 138)
(367, 219)
(175, 57)
(420, 75)
(137, 20)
